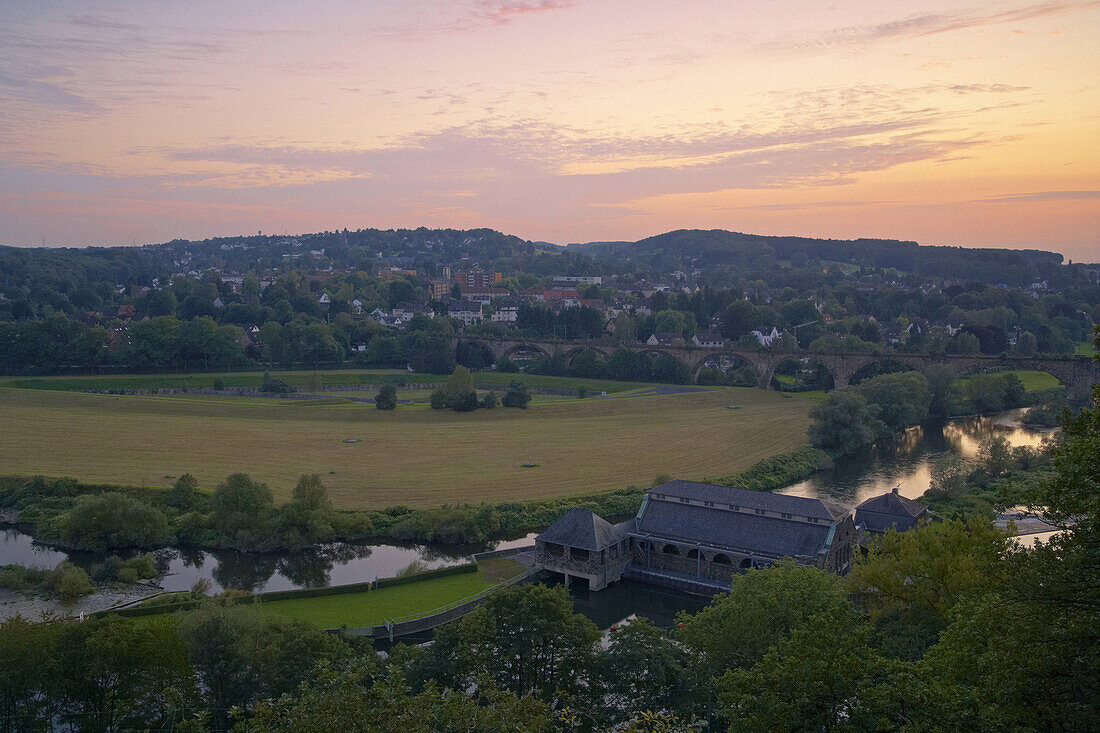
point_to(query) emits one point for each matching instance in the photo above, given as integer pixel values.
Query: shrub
(68, 581)
(112, 520)
(219, 384)
(491, 400)
(386, 399)
(516, 396)
(274, 386)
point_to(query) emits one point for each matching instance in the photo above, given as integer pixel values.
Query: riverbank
(361, 604)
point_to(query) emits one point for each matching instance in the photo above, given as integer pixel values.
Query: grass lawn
(412, 455)
(1033, 381)
(299, 379)
(1085, 349)
(374, 607)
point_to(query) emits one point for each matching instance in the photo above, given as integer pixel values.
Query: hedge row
(778, 471)
(282, 595)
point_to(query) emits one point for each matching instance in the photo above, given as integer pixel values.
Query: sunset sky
(964, 123)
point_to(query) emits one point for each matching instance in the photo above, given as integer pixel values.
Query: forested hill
(717, 247)
(725, 257)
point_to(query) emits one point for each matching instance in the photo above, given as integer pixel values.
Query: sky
(963, 123)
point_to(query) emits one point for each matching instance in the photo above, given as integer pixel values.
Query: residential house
(708, 340)
(465, 311)
(665, 339)
(766, 337)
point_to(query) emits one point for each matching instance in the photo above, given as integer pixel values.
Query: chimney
(895, 489)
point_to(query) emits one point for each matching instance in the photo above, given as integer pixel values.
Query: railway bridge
(1077, 373)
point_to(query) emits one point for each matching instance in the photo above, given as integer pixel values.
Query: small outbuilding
(891, 510)
(583, 545)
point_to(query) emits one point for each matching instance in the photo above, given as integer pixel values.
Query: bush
(1046, 414)
(386, 399)
(219, 384)
(516, 396)
(274, 386)
(111, 521)
(778, 471)
(465, 402)
(504, 364)
(182, 495)
(68, 581)
(491, 400)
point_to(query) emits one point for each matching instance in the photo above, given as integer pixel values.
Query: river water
(904, 464)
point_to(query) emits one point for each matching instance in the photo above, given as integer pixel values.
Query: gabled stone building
(695, 536)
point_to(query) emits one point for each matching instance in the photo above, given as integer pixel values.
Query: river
(904, 464)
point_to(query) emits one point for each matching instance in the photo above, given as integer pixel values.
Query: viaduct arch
(1077, 373)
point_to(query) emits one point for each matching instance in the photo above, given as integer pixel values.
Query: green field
(1032, 381)
(373, 608)
(413, 456)
(1085, 349)
(298, 379)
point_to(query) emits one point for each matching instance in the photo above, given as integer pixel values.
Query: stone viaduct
(1077, 373)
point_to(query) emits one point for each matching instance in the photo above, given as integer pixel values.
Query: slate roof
(583, 529)
(752, 499)
(880, 513)
(749, 533)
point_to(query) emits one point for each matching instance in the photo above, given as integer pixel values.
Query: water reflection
(626, 598)
(338, 563)
(906, 463)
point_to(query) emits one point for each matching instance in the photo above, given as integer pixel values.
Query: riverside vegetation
(951, 626)
(241, 514)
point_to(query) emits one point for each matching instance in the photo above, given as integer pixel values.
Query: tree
(525, 639)
(183, 492)
(995, 456)
(516, 396)
(457, 393)
(738, 319)
(824, 677)
(490, 401)
(902, 399)
(948, 474)
(844, 422)
(762, 608)
(242, 509)
(641, 670)
(100, 522)
(386, 399)
(337, 700)
(929, 568)
(1026, 344)
(240, 656)
(117, 674)
(939, 378)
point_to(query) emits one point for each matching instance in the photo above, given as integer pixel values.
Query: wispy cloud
(860, 37)
(1039, 196)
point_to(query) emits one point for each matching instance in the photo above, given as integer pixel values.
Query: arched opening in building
(801, 375)
(671, 550)
(877, 369)
(730, 370)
